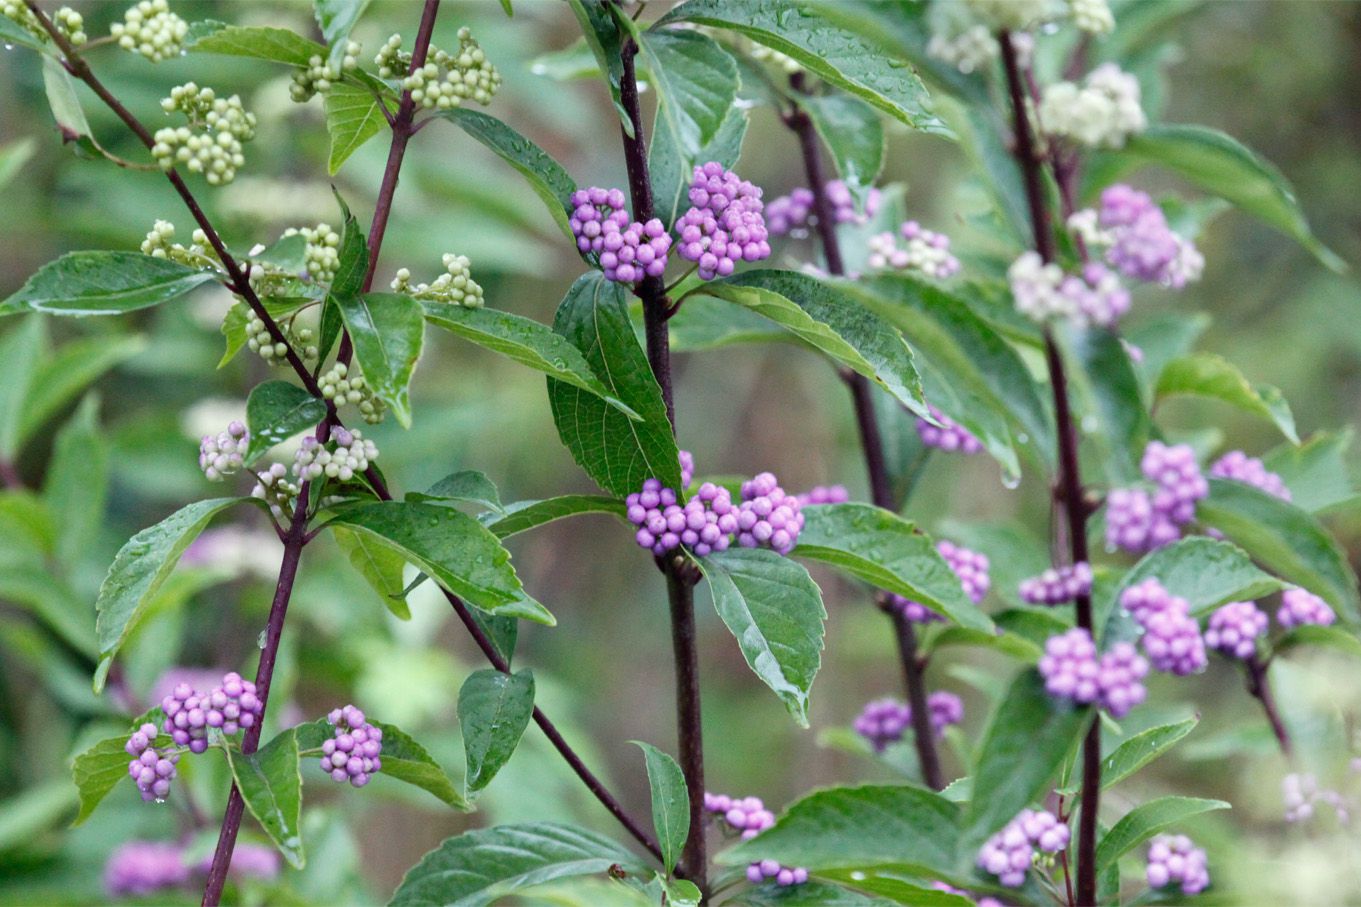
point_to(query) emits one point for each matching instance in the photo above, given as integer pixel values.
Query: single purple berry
(1234, 629)
(1300, 607)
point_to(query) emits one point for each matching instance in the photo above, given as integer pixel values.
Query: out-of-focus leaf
(1108, 376)
(77, 483)
(852, 131)
(21, 352)
(67, 371)
(1208, 375)
(1316, 471)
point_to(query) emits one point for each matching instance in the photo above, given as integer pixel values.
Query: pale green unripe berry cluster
(152, 30)
(276, 490)
(348, 454)
(456, 286)
(275, 352)
(319, 75)
(323, 250)
(1092, 16)
(216, 151)
(392, 61)
(342, 387)
(23, 16)
(71, 24)
(447, 80)
(1103, 112)
(196, 255)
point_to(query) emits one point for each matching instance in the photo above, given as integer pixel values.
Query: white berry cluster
(1101, 113)
(196, 255)
(347, 454)
(318, 75)
(1012, 15)
(152, 30)
(968, 50)
(1035, 287)
(223, 454)
(274, 352)
(215, 151)
(782, 62)
(1092, 16)
(274, 488)
(71, 24)
(455, 286)
(447, 80)
(323, 250)
(342, 387)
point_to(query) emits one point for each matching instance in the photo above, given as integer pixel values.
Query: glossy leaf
(270, 782)
(774, 609)
(388, 330)
(466, 486)
(852, 132)
(1208, 375)
(1145, 821)
(259, 42)
(493, 710)
(670, 802)
(1141, 749)
(888, 552)
(104, 283)
(380, 564)
(696, 82)
(407, 761)
(617, 452)
(275, 412)
(525, 515)
(353, 116)
(97, 771)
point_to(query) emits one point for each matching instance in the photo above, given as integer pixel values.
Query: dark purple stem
(872, 444)
(1069, 487)
(9, 474)
(1260, 687)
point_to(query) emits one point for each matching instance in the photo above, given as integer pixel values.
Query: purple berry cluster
(703, 524)
(949, 435)
(1137, 521)
(353, 754)
(970, 566)
(767, 516)
(795, 211)
(1173, 859)
(748, 817)
(884, 721)
(922, 250)
(724, 224)
(1300, 607)
(766, 870)
(1097, 295)
(824, 494)
(627, 251)
(1072, 670)
(1171, 639)
(153, 769)
(1234, 628)
(1240, 467)
(230, 707)
(141, 868)
(222, 454)
(1010, 853)
(1057, 585)
(1141, 244)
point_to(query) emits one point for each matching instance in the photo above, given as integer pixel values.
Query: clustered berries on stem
(216, 150)
(1011, 852)
(1174, 860)
(947, 434)
(884, 721)
(970, 566)
(1139, 521)
(353, 754)
(1073, 670)
(1057, 585)
(748, 817)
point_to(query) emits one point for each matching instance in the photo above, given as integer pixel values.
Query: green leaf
(1221, 166)
(696, 82)
(601, 31)
(452, 547)
(817, 893)
(13, 156)
(387, 330)
(407, 761)
(29, 814)
(259, 42)
(21, 351)
(64, 374)
(1208, 375)
(1316, 472)
(525, 341)
(1146, 820)
(76, 484)
(525, 515)
(337, 18)
(270, 782)
(380, 565)
(493, 710)
(13, 33)
(1141, 749)
(851, 130)
(1284, 539)
(1108, 376)
(275, 412)
(798, 29)
(859, 828)
(97, 771)
(545, 176)
(672, 169)
(705, 323)
(63, 100)
(467, 486)
(140, 569)
(50, 599)
(888, 552)
(670, 802)
(353, 259)
(478, 867)
(619, 453)
(820, 314)
(1339, 638)
(774, 609)
(1011, 644)
(354, 114)
(104, 283)
(1030, 735)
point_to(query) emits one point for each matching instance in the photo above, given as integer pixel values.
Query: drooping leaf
(77, 483)
(1141, 749)
(852, 132)
(97, 771)
(407, 761)
(525, 341)
(774, 609)
(696, 82)
(455, 549)
(1214, 377)
(21, 351)
(619, 453)
(140, 569)
(380, 564)
(493, 710)
(104, 283)
(478, 867)
(1146, 820)
(275, 412)
(13, 156)
(887, 551)
(354, 114)
(352, 262)
(260, 42)
(270, 782)
(63, 375)
(466, 486)
(63, 100)
(387, 330)
(525, 515)
(670, 802)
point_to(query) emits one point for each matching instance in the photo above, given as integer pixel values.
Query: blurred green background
(1280, 76)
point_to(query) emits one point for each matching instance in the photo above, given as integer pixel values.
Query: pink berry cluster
(1042, 292)
(1171, 639)
(1057, 585)
(1097, 295)
(1139, 521)
(1072, 670)
(230, 707)
(767, 516)
(1234, 628)
(795, 211)
(1300, 607)
(1174, 860)
(354, 753)
(970, 566)
(627, 251)
(724, 224)
(703, 524)
(884, 721)
(949, 435)
(153, 769)
(922, 250)
(1010, 853)
(824, 494)
(1302, 796)
(141, 868)
(1141, 244)
(748, 817)
(1240, 467)
(222, 454)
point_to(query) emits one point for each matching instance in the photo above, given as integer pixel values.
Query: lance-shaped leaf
(1213, 377)
(852, 131)
(141, 567)
(76, 486)
(477, 868)
(97, 771)
(259, 42)
(1145, 821)
(525, 515)
(104, 283)
(618, 452)
(270, 782)
(600, 28)
(457, 550)
(1141, 749)
(494, 709)
(670, 802)
(353, 116)
(21, 351)
(380, 564)
(774, 609)
(275, 412)
(466, 486)
(407, 761)
(887, 551)
(823, 316)
(696, 82)
(525, 341)
(387, 330)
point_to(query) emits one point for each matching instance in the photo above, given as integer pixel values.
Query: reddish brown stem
(1260, 687)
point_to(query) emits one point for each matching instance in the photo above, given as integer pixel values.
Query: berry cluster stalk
(871, 442)
(1069, 484)
(680, 576)
(238, 283)
(1260, 688)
